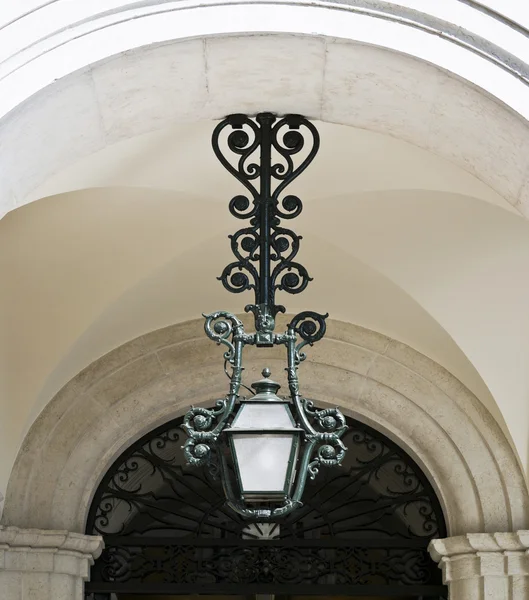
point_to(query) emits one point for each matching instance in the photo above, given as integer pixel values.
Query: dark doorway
(362, 532)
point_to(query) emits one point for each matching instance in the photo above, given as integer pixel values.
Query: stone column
(485, 566)
(38, 564)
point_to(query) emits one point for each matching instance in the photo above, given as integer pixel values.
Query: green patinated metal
(263, 150)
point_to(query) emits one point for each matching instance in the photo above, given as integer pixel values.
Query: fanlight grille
(365, 526)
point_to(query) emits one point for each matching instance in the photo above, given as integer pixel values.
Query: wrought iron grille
(363, 529)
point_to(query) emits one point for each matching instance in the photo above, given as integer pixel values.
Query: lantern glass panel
(265, 415)
(264, 461)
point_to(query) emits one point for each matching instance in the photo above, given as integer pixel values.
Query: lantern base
(254, 497)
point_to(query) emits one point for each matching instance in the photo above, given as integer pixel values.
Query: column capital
(476, 555)
(48, 551)
(472, 543)
(14, 538)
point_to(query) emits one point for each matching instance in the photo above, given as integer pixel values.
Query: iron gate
(363, 529)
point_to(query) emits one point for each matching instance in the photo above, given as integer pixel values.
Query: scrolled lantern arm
(203, 425)
(329, 427)
(290, 340)
(323, 428)
(274, 152)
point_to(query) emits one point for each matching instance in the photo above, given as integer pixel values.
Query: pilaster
(38, 564)
(485, 566)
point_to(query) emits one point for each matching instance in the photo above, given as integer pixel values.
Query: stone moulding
(483, 566)
(48, 551)
(472, 543)
(58, 540)
(32, 47)
(91, 109)
(372, 378)
(38, 564)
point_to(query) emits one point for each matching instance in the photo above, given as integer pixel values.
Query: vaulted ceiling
(397, 240)
(117, 217)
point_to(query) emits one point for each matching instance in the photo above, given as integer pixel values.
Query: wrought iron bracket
(261, 154)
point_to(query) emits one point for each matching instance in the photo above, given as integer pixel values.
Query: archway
(380, 69)
(379, 381)
(363, 529)
(376, 380)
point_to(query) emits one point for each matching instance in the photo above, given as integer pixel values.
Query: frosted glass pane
(263, 460)
(263, 416)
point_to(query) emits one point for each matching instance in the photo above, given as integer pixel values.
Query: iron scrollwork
(265, 154)
(265, 251)
(379, 491)
(168, 525)
(268, 563)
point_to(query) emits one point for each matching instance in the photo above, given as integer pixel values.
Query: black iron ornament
(265, 251)
(362, 530)
(265, 154)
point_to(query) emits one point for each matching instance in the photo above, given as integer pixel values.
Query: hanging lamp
(264, 446)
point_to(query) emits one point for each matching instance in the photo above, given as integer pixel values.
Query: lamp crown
(266, 389)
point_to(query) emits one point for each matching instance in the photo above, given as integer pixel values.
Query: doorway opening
(362, 532)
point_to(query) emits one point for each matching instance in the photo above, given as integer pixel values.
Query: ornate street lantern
(264, 442)
(272, 444)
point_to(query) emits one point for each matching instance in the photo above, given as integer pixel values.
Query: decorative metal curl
(330, 421)
(197, 454)
(220, 326)
(292, 207)
(203, 427)
(260, 153)
(290, 142)
(328, 426)
(329, 454)
(311, 327)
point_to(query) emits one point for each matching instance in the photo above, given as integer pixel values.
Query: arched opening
(363, 530)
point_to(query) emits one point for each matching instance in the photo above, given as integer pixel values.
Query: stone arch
(86, 34)
(332, 79)
(154, 378)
